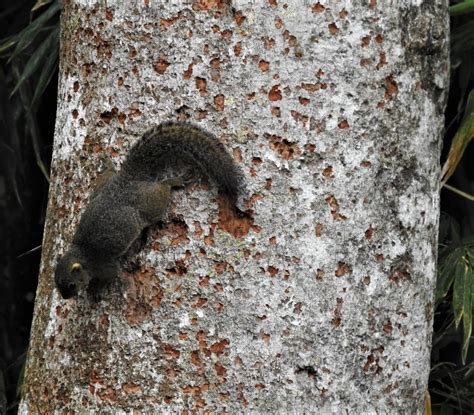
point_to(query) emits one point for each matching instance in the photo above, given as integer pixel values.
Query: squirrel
(128, 201)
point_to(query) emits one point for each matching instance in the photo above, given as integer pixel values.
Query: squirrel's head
(71, 276)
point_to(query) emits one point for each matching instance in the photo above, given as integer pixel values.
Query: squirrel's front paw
(96, 290)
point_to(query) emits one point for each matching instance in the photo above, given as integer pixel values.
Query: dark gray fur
(131, 199)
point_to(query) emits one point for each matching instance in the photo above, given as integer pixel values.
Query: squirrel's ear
(76, 267)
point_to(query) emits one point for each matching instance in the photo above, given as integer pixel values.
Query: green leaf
(8, 43)
(29, 33)
(445, 276)
(39, 4)
(48, 70)
(49, 45)
(467, 318)
(467, 6)
(458, 291)
(31, 127)
(462, 138)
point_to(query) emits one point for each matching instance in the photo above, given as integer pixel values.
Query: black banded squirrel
(131, 199)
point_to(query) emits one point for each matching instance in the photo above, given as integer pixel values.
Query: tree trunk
(320, 298)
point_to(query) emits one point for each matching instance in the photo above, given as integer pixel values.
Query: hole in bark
(309, 370)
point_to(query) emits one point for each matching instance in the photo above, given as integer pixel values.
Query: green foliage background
(452, 357)
(29, 43)
(28, 84)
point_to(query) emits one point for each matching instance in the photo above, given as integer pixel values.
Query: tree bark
(320, 298)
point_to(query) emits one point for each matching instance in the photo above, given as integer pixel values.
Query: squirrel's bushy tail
(174, 143)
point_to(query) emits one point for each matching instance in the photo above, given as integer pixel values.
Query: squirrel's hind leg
(179, 181)
(153, 199)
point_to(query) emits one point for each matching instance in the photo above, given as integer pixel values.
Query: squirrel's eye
(76, 267)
